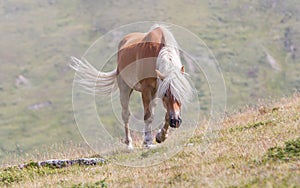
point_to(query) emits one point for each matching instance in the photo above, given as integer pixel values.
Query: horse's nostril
(175, 123)
(172, 123)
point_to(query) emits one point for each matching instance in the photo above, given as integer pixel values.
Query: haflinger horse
(148, 63)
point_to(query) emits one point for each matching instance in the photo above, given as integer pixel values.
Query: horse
(150, 64)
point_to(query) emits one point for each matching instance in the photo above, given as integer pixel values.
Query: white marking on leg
(148, 135)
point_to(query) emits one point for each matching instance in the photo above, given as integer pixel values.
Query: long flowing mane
(169, 63)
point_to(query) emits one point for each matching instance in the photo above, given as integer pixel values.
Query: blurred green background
(255, 42)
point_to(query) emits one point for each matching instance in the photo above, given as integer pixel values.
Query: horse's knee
(148, 121)
(148, 118)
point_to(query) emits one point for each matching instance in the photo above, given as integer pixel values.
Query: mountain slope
(39, 37)
(258, 147)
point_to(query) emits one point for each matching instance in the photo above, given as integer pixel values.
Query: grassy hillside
(256, 147)
(38, 37)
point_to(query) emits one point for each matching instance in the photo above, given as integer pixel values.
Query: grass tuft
(98, 184)
(251, 126)
(10, 175)
(290, 151)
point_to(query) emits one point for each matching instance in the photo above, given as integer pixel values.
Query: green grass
(291, 151)
(13, 175)
(252, 125)
(100, 183)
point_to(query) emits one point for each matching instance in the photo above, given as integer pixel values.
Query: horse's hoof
(130, 147)
(150, 146)
(158, 140)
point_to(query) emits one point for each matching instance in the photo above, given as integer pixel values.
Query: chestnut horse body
(148, 63)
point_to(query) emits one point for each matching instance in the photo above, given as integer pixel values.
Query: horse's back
(140, 45)
(151, 44)
(131, 39)
(127, 49)
(137, 53)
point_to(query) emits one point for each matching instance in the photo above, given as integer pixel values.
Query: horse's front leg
(149, 105)
(163, 132)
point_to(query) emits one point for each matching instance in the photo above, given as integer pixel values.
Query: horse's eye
(166, 95)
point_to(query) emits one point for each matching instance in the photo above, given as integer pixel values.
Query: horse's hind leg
(125, 92)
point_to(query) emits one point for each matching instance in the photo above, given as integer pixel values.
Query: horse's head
(173, 108)
(172, 105)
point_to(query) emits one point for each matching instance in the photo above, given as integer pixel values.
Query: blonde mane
(169, 63)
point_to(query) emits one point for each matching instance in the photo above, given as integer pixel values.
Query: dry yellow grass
(234, 158)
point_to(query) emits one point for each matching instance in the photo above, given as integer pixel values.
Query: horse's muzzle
(175, 123)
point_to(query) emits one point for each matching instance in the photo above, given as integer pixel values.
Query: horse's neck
(168, 59)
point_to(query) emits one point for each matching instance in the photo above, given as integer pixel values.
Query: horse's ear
(182, 69)
(160, 75)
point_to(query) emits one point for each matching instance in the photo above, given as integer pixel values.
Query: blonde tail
(92, 80)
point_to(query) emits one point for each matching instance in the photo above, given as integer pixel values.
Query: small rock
(69, 162)
(21, 80)
(38, 106)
